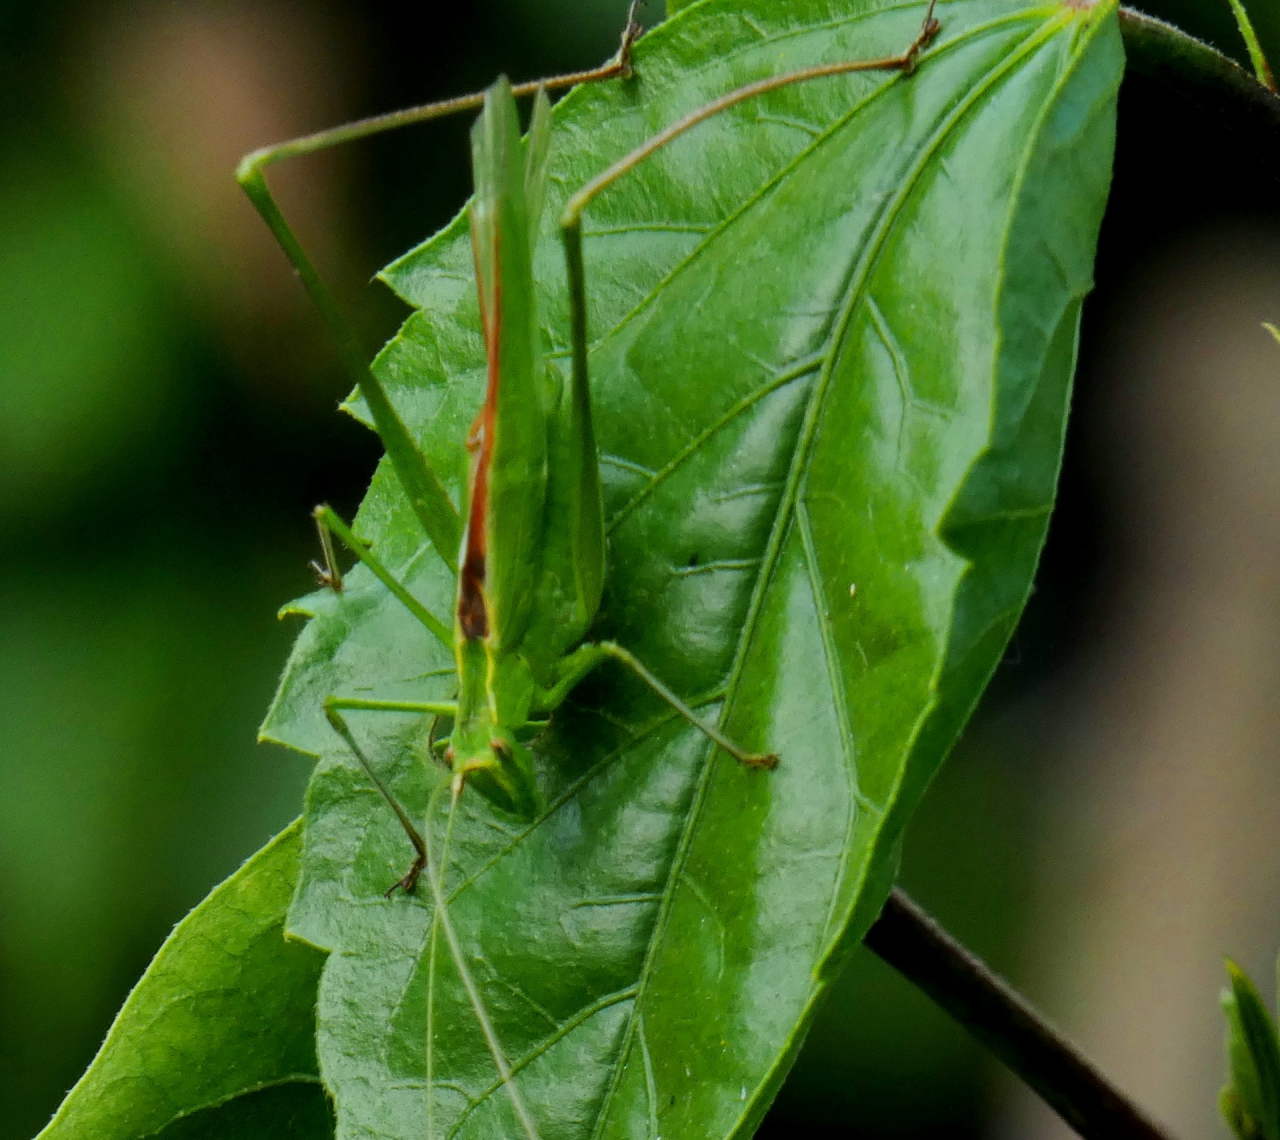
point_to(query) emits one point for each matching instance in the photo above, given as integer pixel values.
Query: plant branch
(1004, 1022)
(1211, 80)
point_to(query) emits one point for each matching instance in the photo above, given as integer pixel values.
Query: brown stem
(1004, 1022)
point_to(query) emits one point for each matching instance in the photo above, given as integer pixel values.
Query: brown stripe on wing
(472, 617)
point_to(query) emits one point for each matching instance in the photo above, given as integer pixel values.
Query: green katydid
(529, 547)
(530, 557)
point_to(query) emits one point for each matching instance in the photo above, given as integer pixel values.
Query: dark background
(167, 419)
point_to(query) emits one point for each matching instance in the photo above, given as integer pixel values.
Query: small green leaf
(1251, 1102)
(1272, 329)
(226, 1010)
(834, 333)
(1256, 55)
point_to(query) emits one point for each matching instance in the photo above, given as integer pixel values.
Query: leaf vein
(581, 1017)
(795, 372)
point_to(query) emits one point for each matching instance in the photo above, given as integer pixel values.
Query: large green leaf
(217, 1041)
(834, 334)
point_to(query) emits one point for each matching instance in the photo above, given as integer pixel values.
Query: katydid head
(489, 759)
(504, 776)
(494, 695)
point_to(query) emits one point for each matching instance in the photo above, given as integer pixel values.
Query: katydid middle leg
(587, 657)
(330, 525)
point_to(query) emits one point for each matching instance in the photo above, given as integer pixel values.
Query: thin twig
(1004, 1022)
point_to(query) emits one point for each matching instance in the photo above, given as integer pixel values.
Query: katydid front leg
(328, 574)
(329, 524)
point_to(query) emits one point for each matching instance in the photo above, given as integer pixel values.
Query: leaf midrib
(858, 277)
(858, 282)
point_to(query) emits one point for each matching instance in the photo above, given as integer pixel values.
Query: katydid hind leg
(572, 570)
(571, 219)
(583, 660)
(537, 167)
(427, 495)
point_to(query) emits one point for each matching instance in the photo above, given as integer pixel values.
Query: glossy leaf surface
(833, 338)
(217, 1039)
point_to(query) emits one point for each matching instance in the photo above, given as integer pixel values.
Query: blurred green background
(1107, 829)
